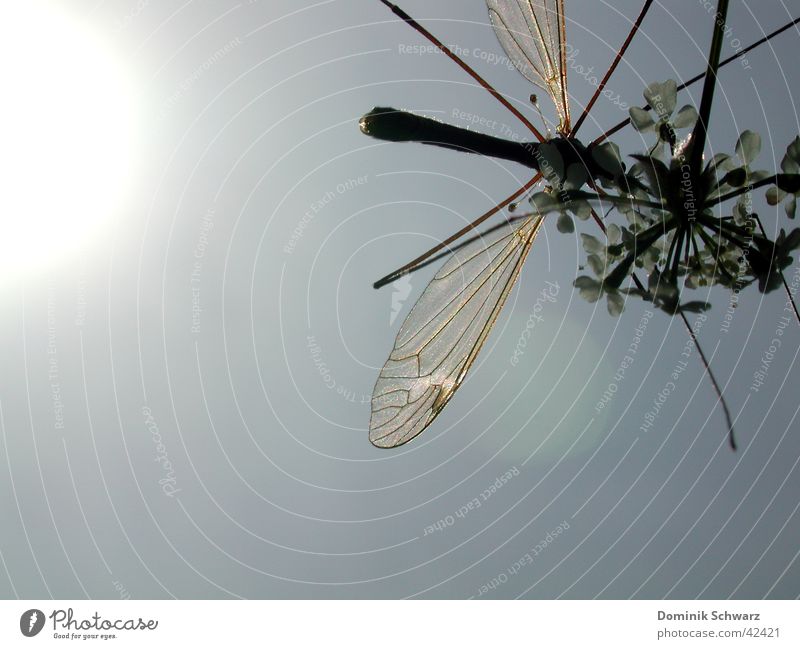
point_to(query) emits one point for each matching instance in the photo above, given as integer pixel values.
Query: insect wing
(444, 332)
(533, 36)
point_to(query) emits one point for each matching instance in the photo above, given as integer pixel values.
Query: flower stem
(730, 236)
(707, 366)
(701, 128)
(771, 180)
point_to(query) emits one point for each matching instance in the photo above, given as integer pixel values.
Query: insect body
(395, 125)
(442, 335)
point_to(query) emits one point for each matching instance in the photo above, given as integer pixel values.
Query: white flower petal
(597, 265)
(791, 207)
(748, 146)
(641, 119)
(775, 195)
(590, 289)
(565, 223)
(591, 244)
(545, 202)
(793, 150)
(608, 157)
(662, 97)
(580, 208)
(789, 165)
(756, 176)
(685, 118)
(616, 304)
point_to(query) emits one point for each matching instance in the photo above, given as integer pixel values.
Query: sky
(190, 336)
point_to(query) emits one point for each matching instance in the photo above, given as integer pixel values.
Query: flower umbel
(677, 228)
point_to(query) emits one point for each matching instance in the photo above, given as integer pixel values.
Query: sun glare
(68, 142)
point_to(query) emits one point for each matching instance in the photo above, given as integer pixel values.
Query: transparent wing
(444, 332)
(533, 36)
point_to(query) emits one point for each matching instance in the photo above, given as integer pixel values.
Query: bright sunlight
(68, 136)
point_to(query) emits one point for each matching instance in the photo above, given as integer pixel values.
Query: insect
(441, 337)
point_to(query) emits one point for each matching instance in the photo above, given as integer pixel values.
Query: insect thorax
(566, 161)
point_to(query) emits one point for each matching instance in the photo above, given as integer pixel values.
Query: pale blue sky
(226, 313)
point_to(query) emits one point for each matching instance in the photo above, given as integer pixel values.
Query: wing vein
(436, 346)
(533, 36)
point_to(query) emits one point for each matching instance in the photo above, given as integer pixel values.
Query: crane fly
(441, 337)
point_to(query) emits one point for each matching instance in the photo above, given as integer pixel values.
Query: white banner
(387, 624)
